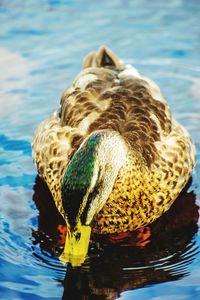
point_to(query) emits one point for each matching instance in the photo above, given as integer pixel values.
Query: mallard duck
(112, 156)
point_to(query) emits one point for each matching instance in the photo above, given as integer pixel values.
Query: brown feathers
(109, 95)
(126, 106)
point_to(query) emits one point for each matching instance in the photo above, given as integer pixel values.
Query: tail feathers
(103, 58)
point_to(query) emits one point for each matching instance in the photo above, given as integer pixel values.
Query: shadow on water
(111, 268)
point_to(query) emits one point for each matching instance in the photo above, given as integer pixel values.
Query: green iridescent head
(77, 178)
(90, 175)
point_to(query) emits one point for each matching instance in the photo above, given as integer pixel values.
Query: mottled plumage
(108, 96)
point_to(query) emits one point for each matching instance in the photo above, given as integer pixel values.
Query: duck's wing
(177, 157)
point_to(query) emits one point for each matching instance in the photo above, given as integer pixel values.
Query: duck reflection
(154, 254)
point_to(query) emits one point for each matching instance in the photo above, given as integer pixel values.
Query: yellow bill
(76, 246)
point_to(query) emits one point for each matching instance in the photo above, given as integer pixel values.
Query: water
(42, 44)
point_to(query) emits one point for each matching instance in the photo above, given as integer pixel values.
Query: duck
(112, 155)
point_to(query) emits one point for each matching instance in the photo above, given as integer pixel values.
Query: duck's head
(86, 186)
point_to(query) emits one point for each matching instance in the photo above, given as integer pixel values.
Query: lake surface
(42, 44)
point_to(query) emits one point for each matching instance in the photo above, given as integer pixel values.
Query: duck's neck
(111, 156)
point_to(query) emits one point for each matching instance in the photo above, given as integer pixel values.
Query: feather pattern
(108, 95)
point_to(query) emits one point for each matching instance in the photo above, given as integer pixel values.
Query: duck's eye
(91, 197)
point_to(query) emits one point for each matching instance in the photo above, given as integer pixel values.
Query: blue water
(42, 44)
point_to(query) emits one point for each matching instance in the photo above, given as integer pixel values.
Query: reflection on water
(117, 266)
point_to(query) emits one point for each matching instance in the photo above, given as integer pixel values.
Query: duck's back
(120, 99)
